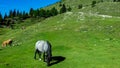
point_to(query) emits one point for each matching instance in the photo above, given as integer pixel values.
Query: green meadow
(85, 39)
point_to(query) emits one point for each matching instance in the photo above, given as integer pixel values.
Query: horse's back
(41, 45)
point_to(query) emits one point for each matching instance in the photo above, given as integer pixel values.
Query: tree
(14, 13)
(31, 13)
(24, 15)
(63, 9)
(11, 14)
(93, 3)
(101, 0)
(42, 13)
(36, 13)
(5, 16)
(60, 4)
(80, 6)
(48, 13)
(54, 11)
(18, 13)
(114, 0)
(1, 17)
(69, 9)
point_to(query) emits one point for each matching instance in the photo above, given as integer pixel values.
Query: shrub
(63, 9)
(93, 3)
(69, 9)
(80, 6)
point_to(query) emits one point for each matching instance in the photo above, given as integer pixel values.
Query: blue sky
(23, 5)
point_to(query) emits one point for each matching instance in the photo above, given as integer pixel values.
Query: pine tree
(1, 18)
(48, 13)
(42, 13)
(31, 13)
(80, 6)
(69, 9)
(54, 11)
(93, 3)
(18, 13)
(101, 0)
(118, 0)
(23, 15)
(14, 13)
(63, 9)
(5, 16)
(60, 4)
(36, 13)
(11, 14)
(114, 0)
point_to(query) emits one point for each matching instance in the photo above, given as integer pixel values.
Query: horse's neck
(49, 51)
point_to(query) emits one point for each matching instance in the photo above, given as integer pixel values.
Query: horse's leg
(49, 57)
(48, 60)
(44, 57)
(10, 43)
(36, 51)
(39, 55)
(3, 45)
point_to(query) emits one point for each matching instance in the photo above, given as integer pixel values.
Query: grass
(85, 40)
(89, 43)
(108, 8)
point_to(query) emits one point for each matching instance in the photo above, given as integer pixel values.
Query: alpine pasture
(84, 37)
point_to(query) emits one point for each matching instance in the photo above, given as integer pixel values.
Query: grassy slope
(108, 7)
(85, 40)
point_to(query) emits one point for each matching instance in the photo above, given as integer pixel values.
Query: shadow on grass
(56, 60)
(0, 49)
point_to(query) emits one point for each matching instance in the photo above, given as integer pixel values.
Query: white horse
(44, 47)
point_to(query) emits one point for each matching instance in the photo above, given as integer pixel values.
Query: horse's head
(49, 54)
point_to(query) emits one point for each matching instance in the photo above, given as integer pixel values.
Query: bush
(69, 9)
(63, 9)
(93, 3)
(80, 6)
(116, 0)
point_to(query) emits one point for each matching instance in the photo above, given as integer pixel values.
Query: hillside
(86, 39)
(107, 7)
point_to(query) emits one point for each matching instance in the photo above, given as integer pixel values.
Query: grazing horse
(44, 47)
(7, 42)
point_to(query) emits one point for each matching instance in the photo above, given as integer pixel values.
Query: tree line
(116, 0)
(8, 20)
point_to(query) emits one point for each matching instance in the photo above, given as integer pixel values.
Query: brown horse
(7, 42)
